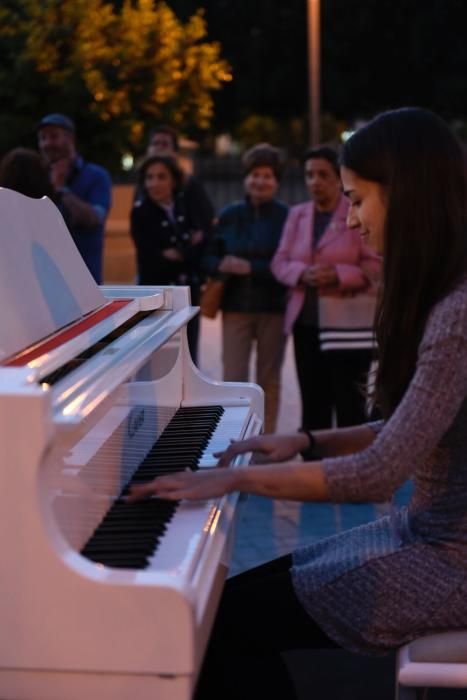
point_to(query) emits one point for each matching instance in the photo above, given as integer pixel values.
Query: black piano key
(129, 532)
(120, 546)
(133, 511)
(173, 449)
(116, 561)
(171, 458)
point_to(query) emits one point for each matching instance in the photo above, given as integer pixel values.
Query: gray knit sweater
(378, 586)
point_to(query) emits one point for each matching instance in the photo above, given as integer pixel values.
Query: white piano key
(231, 426)
(178, 549)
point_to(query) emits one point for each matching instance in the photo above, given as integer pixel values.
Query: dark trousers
(329, 381)
(259, 617)
(192, 328)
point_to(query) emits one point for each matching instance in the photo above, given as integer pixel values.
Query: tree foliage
(116, 70)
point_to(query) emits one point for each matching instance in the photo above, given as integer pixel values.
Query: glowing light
(127, 161)
(345, 135)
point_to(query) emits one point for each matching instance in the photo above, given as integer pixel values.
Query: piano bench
(434, 661)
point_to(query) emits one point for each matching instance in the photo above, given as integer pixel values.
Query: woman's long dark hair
(169, 162)
(22, 170)
(413, 154)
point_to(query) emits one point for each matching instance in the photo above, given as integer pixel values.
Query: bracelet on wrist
(310, 453)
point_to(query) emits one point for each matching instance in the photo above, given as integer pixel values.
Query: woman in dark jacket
(245, 240)
(168, 249)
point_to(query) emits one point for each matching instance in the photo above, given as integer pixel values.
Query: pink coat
(339, 246)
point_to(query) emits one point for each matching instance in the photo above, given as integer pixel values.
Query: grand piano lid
(44, 282)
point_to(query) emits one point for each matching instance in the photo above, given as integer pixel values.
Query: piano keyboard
(231, 423)
(182, 546)
(129, 533)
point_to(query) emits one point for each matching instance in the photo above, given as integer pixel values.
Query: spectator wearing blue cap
(85, 188)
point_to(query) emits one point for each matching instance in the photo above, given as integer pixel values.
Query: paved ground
(267, 529)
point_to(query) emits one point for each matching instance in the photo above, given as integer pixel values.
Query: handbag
(211, 297)
(346, 323)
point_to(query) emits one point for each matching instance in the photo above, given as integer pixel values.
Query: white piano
(100, 599)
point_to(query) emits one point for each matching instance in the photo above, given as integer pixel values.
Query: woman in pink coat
(319, 254)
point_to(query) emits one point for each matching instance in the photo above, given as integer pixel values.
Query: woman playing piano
(376, 587)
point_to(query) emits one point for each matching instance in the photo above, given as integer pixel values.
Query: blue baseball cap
(56, 119)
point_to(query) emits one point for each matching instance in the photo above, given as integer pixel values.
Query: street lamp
(314, 80)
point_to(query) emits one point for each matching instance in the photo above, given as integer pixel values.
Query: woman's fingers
(140, 491)
(236, 447)
(225, 458)
(188, 484)
(162, 487)
(265, 448)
